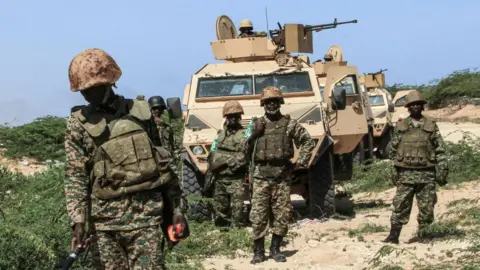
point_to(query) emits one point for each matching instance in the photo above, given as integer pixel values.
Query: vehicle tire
(359, 154)
(197, 211)
(343, 166)
(386, 143)
(370, 156)
(321, 188)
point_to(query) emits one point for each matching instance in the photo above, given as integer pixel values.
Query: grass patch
(463, 158)
(441, 230)
(366, 228)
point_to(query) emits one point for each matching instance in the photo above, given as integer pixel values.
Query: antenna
(266, 19)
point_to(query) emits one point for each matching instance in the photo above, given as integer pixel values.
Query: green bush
(41, 139)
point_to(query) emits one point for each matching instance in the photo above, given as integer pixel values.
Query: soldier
(246, 28)
(228, 166)
(160, 115)
(117, 179)
(272, 137)
(419, 158)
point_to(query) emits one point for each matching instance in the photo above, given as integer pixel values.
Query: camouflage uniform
(418, 153)
(419, 182)
(124, 221)
(165, 131)
(271, 182)
(229, 183)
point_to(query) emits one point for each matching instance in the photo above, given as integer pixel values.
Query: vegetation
(35, 234)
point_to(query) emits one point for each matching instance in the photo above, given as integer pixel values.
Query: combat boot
(394, 234)
(275, 249)
(258, 251)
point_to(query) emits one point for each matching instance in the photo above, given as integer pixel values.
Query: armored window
(376, 100)
(225, 86)
(400, 102)
(349, 84)
(287, 83)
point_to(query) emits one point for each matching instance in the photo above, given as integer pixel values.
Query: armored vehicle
(381, 104)
(399, 102)
(330, 113)
(364, 149)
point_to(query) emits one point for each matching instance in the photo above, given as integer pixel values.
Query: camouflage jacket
(435, 138)
(165, 132)
(123, 213)
(228, 147)
(301, 138)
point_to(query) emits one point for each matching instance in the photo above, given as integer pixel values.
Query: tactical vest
(125, 160)
(415, 149)
(228, 146)
(275, 146)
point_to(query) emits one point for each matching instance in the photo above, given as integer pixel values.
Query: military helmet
(91, 68)
(414, 96)
(246, 23)
(231, 107)
(157, 101)
(271, 92)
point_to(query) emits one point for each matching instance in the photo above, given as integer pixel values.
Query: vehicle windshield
(400, 102)
(288, 83)
(376, 100)
(348, 84)
(220, 87)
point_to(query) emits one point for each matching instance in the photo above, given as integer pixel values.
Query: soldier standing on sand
(229, 168)
(272, 137)
(117, 179)
(418, 154)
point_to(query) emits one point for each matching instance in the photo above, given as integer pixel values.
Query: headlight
(198, 150)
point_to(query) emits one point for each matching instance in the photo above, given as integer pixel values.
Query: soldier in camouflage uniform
(228, 166)
(162, 120)
(117, 181)
(418, 154)
(272, 137)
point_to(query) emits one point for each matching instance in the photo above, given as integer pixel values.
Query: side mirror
(391, 107)
(175, 108)
(339, 98)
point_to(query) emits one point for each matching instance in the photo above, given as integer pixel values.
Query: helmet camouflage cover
(414, 96)
(270, 92)
(232, 107)
(91, 68)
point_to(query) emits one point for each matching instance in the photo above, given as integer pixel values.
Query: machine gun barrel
(378, 72)
(321, 27)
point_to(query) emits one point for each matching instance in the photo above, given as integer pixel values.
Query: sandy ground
(327, 245)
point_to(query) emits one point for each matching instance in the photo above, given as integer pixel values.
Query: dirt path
(455, 131)
(327, 245)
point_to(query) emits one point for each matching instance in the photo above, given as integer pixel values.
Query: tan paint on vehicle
(253, 57)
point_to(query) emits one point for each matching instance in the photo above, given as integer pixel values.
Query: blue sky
(159, 44)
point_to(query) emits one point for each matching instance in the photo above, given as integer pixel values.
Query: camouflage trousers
(270, 204)
(122, 250)
(229, 197)
(420, 184)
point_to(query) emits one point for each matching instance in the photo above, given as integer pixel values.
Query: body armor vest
(125, 160)
(415, 149)
(228, 146)
(276, 144)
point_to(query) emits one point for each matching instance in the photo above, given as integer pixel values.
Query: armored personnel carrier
(381, 104)
(323, 96)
